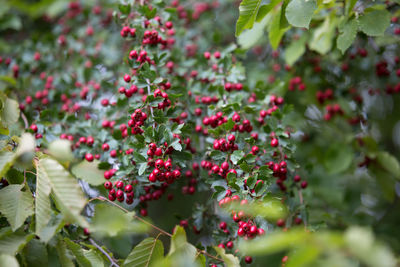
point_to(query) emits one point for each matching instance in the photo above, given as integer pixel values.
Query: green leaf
(295, 50)
(176, 145)
(270, 208)
(274, 242)
(109, 220)
(323, 36)
(375, 22)
(145, 253)
(389, 163)
(10, 113)
(251, 36)
(248, 10)
(303, 256)
(181, 252)
(11, 243)
(88, 172)
(361, 243)
(78, 252)
(42, 203)
(229, 259)
(265, 9)
(67, 192)
(6, 161)
(299, 12)
(277, 29)
(94, 257)
(387, 184)
(337, 158)
(55, 224)
(16, 205)
(347, 35)
(236, 156)
(8, 261)
(142, 168)
(61, 150)
(35, 254)
(63, 254)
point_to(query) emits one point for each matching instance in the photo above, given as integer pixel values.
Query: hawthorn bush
(155, 133)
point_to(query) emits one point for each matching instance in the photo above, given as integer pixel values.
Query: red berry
(280, 223)
(222, 225)
(105, 147)
(127, 78)
(248, 259)
(274, 142)
(89, 157)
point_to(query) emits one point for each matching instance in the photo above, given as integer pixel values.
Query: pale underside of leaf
(42, 203)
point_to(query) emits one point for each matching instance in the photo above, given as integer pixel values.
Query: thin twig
(151, 108)
(152, 225)
(112, 261)
(25, 120)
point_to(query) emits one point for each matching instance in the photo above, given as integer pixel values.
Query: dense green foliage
(156, 133)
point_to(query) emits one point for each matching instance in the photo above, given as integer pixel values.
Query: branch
(152, 225)
(113, 263)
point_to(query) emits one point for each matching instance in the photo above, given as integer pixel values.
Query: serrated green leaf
(16, 205)
(78, 252)
(88, 172)
(110, 221)
(299, 12)
(6, 161)
(94, 258)
(337, 158)
(236, 156)
(42, 202)
(265, 9)
(375, 22)
(176, 145)
(63, 254)
(250, 37)
(35, 254)
(10, 113)
(145, 253)
(389, 163)
(229, 259)
(276, 28)
(67, 192)
(347, 35)
(142, 168)
(322, 38)
(248, 10)
(295, 50)
(181, 252)
(61, 150)
(275, 242)
(11, 243)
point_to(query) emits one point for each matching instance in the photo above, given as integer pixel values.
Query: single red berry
(127, 78)
(34, 128)
(280, 222)
(274, 142)
(248, 259)
(113, 153)
(89, 157)
(105, 147)
(222, 225)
